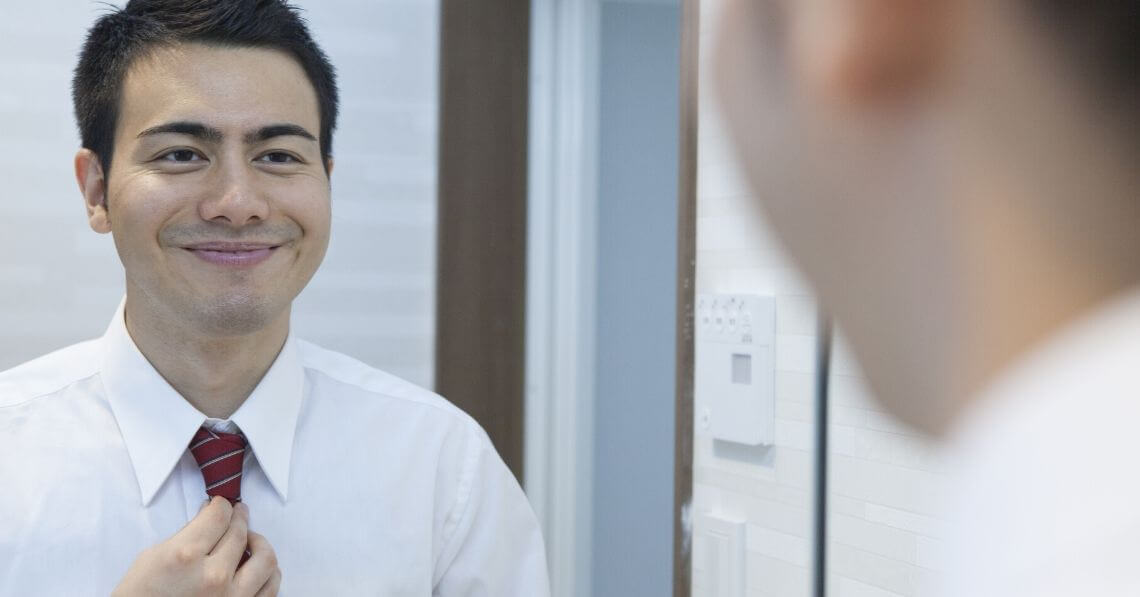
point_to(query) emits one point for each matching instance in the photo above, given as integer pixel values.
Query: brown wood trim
(481, 259)
(686, 287)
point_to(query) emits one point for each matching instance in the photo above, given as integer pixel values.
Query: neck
(1023, 291)
(1019, 268)
(1012, 290)
(1046, 211)
(214, 373)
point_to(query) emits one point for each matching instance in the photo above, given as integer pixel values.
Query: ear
(329, 167)
(93, 185)
(866, 53)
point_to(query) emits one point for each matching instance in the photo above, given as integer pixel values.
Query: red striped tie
(220, 457)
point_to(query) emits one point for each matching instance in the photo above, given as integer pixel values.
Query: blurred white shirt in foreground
(1045, 471)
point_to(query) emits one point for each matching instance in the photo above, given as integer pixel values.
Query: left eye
(277, 157)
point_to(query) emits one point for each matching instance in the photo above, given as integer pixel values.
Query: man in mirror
(206, 132)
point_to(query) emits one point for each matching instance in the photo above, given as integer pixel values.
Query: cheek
(310, 207)
(138, 209)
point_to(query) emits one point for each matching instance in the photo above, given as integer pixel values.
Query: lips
(232, 254)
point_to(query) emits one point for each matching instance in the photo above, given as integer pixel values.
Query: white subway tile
(795, 386)
(796, 315)
(874, 570)
(794, 434)
(795, 352)
(794, 468)
(841, 504)
(919, 524)
(848, 415)
(841, 440)
(793, 519)
(850, 391)
(885, 484)
(876, 538)
(931, 553)
(776, 577)
(794, 411)
(842, 586)
(777, 545)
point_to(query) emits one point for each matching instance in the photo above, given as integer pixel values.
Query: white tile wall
(374, 296)
(883, 518)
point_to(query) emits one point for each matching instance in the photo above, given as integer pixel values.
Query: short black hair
(1104, 37)
(122, 36)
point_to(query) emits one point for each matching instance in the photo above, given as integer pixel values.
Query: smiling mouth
(233, 254)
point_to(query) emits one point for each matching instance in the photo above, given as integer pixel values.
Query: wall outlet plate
(723, 542)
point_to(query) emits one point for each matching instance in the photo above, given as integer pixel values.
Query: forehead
(229, 88)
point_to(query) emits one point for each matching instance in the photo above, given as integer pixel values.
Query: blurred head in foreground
(957, 179)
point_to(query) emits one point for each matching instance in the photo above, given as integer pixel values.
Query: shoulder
(1039, 464)
(372, 387)
(50, 373)
(395, 416)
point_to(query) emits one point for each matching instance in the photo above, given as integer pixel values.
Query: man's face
(217, 197)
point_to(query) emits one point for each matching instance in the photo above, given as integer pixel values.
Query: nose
(240, 201)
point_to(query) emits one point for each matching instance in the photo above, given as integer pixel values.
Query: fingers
(259, 575)
(271, 586)
(203, 532)
(230, 548)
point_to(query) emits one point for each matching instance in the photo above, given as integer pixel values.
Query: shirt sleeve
(496, 548)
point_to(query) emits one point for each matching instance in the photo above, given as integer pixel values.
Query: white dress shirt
(1045, 471)
(363, 483)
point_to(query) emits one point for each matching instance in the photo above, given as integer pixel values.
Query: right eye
(180, 155)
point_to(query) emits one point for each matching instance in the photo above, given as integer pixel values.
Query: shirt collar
(157, 423)
(268, 418)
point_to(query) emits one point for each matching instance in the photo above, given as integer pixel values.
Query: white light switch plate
(735, 367)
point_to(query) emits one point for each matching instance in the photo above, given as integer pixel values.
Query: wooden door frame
(481, 247)
(686, 289)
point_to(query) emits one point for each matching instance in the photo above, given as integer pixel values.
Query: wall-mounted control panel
(735, 366)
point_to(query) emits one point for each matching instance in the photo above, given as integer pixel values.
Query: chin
(236, 315)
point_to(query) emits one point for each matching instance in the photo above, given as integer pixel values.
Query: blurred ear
(865, 54)
(329, 167)
(93, 186)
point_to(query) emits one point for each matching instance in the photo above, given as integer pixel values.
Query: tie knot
(220, 457)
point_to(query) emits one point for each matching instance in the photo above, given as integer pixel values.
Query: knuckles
(184, 555)
(215, 579)
(220, 514)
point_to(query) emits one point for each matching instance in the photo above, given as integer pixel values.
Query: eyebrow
(213, 135)
(193, 129)
(277, 130)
